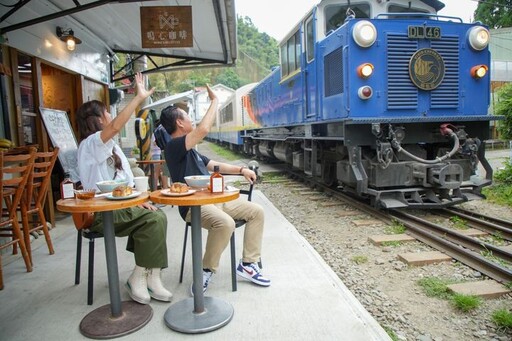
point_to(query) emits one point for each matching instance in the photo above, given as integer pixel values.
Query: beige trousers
(218, 219)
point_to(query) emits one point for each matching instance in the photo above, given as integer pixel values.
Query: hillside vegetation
(257, 54)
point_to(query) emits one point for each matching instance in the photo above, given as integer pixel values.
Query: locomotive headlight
(479, 71)
(365, 92)
(365, 70)
(479, 38)
(364, 33)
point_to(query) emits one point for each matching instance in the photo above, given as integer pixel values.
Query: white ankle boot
(137, 285)
(156, 288)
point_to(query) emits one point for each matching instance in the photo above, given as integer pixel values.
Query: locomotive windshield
(336, 14)
(403, 9)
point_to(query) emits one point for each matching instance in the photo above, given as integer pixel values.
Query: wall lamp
(67, 36)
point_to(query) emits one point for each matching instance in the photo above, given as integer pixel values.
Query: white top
(95, 162)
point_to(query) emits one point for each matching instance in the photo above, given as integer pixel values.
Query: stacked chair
(16, 168)
(34, 197)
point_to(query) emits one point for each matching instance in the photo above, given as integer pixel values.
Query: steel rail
(445, 240)
(489, 224)
(434, 236)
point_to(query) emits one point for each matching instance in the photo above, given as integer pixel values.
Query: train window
(284, 61)
(291, 54)
(227, 114)
(335, 15)
(297, 50)
(310, 40)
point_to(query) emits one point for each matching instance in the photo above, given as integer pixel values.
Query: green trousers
(146, 231)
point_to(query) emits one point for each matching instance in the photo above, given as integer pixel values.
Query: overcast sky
(267, 15)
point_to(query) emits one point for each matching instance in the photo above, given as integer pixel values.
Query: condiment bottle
(216, 181)
(67, 187)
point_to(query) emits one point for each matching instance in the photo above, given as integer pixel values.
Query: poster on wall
(62, 136)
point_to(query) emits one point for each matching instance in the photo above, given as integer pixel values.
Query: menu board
(62, 136)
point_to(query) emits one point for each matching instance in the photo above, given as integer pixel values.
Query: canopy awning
(115, 27)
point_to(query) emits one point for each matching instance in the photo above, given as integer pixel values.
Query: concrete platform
(306, 300)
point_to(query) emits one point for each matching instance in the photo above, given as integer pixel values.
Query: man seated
(183, 160)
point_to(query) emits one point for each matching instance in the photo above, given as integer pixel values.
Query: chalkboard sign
(62, 136)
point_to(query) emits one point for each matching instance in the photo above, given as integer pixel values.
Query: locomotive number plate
(424, 32)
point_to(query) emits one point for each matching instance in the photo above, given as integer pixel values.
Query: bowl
(109, 185)
(85, 194)
(198, 181)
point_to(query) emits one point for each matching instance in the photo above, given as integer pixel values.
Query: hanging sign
(166, 26)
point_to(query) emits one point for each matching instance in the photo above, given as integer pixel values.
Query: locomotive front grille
(402, 93)
(447, 94)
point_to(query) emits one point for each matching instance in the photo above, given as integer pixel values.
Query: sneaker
(207, 276)
(252, 272)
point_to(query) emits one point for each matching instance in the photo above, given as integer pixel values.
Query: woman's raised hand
(141, 89)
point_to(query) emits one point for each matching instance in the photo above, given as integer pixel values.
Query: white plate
(133, 195)
(168, 193)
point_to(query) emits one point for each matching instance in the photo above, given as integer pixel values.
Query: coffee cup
(141, 183)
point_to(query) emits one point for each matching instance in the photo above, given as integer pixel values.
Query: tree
(495, 13)
(504, 108)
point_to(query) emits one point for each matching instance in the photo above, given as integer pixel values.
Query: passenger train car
(232, 118)
(385, 99)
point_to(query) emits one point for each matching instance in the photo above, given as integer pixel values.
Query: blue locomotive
(385, 99)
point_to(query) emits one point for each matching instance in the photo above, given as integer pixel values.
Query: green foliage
(503, 319)
(458, 222)
(257, 54)
(435, 287)
(224, 152)
(396, 227)
(504, 176)
(499, 194)
(466, 303)
(360, 259)
(392, 335)
(504, 108)
(495, 13)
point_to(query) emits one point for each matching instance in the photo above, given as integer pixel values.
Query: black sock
(207, 270)
(246, 263)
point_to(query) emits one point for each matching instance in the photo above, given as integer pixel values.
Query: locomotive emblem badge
(426, 69)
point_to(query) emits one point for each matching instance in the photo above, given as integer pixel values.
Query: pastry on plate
(122, 191)
(178, 187)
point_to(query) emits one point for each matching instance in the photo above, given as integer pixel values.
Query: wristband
(241, 169)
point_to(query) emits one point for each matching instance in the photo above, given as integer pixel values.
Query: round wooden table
(198, 314)
(117, 318)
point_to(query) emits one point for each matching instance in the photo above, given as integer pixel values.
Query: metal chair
(34, 197)
(238, 223)
(82, 223)
(15, 171)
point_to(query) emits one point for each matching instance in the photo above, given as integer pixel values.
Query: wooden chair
(238, 223)
(15, 173)
(34, 197)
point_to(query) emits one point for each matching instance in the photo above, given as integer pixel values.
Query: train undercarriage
(430, 165)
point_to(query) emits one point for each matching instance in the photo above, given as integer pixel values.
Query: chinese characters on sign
(166, 26)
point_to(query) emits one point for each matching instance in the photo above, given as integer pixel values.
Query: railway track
(493, 261)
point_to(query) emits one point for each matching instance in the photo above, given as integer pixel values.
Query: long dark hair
(88, 119)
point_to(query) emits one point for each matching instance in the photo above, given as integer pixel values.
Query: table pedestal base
(182, 318)
(99, 323)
